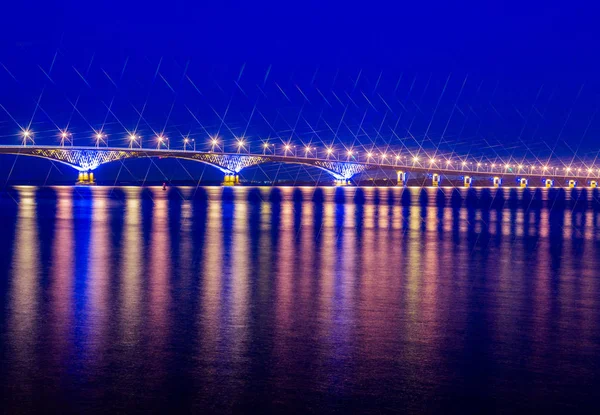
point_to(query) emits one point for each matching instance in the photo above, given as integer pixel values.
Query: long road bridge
(86, 159)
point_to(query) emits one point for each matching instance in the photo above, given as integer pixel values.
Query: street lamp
(306, 151)
(185, 143)
(27, 135)
(132, 139)
(214, 142)
(99, 138)
(286, 148)
(159, 141)
(240, 144)
(329, 152)
(63, 136)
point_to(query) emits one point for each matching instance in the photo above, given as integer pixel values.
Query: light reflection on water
(327, 299)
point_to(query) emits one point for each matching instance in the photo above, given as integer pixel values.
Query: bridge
(433, 172)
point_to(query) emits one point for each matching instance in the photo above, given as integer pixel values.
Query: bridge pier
(523, 182)
(572, 183)
(342, 182)
(401, 178)
(231, 180)
(549, 183)
(467, 181)
(497, 181)
(593, 184)
(435, 180)
(85, 178)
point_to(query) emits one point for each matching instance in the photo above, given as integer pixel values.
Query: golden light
(464, 163)
(369, 154)
(545, 168)
(415, 159)
(349, 152)
(64, 134)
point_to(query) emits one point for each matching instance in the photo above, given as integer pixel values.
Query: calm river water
(297, 300)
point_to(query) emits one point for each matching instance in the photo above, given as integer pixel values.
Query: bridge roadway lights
(435, 180)
(523, 182)
(467, 181)
(401, 178)
(497, 181)
(231, 180)
(85, 178)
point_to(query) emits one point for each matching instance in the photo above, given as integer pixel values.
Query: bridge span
(86, 159)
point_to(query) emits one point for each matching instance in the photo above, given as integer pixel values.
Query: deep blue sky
(491, 79)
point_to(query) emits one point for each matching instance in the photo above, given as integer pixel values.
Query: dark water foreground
(298, 300)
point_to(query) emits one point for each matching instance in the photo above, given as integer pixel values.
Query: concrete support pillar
(497, 181)
(435, 180)
(342, 182)
(572, 183)
(523, 182)
(549, 183)
(467, 182)
(593, 184)
(231, 179)
(401, 178)
(85, 178)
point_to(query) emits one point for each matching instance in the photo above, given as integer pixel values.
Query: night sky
(488, 80)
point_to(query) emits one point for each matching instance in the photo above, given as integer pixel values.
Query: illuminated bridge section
(87, 159)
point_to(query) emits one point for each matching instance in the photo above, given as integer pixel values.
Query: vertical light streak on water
(159, 305)
(238, 289)
(62, 275)
(209, 330)
(289, 256)
(24, 296)
(131, 271)
(96, 296)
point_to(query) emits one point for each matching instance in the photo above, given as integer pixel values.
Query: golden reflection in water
(100, 266)
(24, 293)
(159, 284)
(211, 279)
(132, 268)
(62, 278)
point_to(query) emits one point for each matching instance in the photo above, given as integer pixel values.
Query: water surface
(298, 300)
